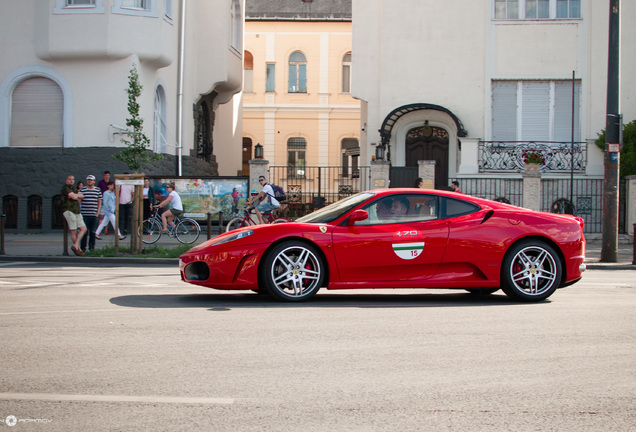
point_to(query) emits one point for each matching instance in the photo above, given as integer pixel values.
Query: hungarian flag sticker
(408, 244)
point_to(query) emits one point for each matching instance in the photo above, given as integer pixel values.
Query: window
(537, 9)
(160, 127)
(248, 67)
(236, 26)
(346, 73)
(350, 149)
(147, 8)
(568, 8)
(297, 73)
(401, 209)
(134, 4)
(168, 11)
(296, 157)
(270, 77)
(37, 110)
(78, 7)
(535, 110)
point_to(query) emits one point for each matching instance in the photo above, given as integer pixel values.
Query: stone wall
(42, 171)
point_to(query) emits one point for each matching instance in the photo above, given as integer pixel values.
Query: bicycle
(246, 220)
(186, 230)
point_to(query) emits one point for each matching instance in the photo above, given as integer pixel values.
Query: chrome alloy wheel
(295, 272)
(533, 271)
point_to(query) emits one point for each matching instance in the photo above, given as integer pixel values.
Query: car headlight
(236, 236)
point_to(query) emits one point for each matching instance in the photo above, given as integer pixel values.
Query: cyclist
(269, 202)
(167, 217)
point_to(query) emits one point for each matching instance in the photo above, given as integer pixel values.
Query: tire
(235, 223)
(280, 220)
(482, 291)
(150, 231)
(531, 271)
(187, 231)
(293, 271)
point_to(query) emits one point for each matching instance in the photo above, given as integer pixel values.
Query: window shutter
(536, 111)
(563, 111)
(37, 110)
(504, 111)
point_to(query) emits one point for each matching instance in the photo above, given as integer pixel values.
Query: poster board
(202, 195)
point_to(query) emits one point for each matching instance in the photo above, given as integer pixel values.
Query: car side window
(401, 208)
(454, 208)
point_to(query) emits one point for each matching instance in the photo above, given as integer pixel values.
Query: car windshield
(335, 210)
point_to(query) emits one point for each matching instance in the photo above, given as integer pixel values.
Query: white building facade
(472, 84)
(64, 75)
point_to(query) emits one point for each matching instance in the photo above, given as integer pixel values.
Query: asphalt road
(134, 348)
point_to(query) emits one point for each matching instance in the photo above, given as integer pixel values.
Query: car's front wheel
(293, 271)
(531, 271)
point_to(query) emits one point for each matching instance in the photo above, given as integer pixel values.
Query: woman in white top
(177, 207)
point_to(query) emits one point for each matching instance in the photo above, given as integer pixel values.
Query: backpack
(279, 193)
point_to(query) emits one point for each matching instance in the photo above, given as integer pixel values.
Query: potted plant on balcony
(532, 160)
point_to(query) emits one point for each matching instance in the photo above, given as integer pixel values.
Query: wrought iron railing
(507, 156)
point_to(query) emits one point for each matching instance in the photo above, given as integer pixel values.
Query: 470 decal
(408, 244)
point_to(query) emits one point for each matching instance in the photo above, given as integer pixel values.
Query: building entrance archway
(429, 143)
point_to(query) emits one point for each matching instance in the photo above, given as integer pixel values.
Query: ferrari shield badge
(323, 229)
(408, 244)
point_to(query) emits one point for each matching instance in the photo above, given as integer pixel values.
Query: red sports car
(397, 238)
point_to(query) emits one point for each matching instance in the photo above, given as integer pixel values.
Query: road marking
(116, 398)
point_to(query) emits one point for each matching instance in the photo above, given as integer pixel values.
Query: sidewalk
(49, 247)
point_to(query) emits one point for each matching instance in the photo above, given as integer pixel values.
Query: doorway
(429, 143)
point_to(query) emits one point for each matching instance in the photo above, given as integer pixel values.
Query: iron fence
(497, 189)
(309, 188)
(508, 156)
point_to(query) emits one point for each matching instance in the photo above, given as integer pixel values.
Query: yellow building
(297, 102)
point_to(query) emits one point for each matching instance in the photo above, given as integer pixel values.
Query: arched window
(296, 148)
(350, 148)
(10, 209)
(34, 211)
(346, 73)
(248, 67)
(37, 110)
(297, 73)
(160, 138)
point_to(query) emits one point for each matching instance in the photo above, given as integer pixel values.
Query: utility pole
(609, 250)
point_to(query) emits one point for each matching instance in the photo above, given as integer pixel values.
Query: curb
(92, 260)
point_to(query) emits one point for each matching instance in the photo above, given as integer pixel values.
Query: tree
(137, 152)
(628, 151)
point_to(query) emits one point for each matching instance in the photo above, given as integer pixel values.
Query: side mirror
(358, 215)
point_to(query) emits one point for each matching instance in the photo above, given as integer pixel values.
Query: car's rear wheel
(293, 271)
(531, 271)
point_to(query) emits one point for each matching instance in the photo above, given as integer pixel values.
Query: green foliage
(149, 252)
(137, 153)
(628, 152)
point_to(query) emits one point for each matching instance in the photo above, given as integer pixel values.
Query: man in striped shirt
(90, 207)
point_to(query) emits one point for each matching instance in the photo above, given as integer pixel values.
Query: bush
(628, 151)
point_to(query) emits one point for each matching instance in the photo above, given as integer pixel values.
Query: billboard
(202, 195)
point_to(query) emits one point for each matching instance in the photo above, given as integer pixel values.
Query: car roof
(450, 194)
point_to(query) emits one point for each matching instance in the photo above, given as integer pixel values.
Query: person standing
(90, 208)
(108, 207)
(71, 206)
(149, 198)
(103, 186)
(455, 186)
(126, 195)
(268, 204)
(177, 206)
